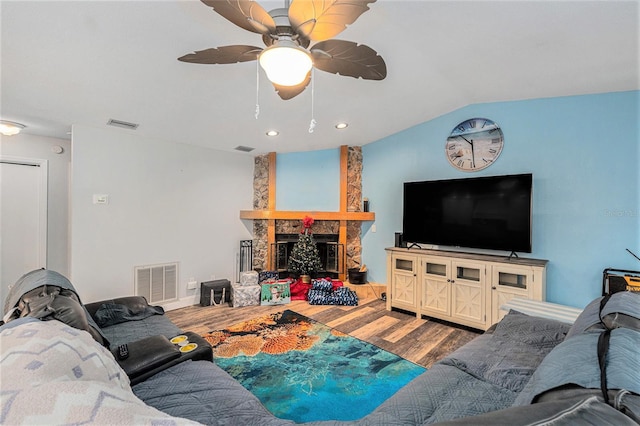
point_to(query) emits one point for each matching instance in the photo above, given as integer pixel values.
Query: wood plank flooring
(423, 341)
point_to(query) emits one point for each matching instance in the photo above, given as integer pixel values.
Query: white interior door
(23, 219)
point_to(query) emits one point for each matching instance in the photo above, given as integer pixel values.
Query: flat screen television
(491, 212)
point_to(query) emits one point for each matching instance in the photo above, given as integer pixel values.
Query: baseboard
(181, 303)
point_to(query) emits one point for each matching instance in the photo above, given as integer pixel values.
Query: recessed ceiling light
(273, 133)
(341, 126)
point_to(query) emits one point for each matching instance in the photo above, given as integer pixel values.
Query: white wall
(40, 147)
(167, 202)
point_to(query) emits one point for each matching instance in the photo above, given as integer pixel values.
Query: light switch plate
(100, 199)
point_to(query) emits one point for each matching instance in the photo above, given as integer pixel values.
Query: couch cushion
(441, 393)
(532, 330)
(587, 411)
(131, 331)
(203, 392)
(509, 356)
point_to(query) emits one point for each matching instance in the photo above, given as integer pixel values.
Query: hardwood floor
(423, 341)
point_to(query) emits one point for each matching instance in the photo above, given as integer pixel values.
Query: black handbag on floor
(215, 292)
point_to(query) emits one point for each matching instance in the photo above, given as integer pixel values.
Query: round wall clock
(474, 144)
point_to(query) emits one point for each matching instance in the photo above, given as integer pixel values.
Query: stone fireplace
(271, 225)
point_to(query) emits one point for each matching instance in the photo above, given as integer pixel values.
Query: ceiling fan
(288, 32)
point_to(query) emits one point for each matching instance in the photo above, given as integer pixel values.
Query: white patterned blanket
(55, 374)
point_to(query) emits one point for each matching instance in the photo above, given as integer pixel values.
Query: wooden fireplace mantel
(299, 215)
(271, 214)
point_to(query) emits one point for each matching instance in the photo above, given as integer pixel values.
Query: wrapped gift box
(249, 278)
(245, 295)
(268, 276)
(276, 293)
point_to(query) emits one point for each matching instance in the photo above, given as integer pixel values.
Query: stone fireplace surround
(347, 224)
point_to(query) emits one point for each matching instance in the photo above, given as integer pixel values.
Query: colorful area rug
(304, 371)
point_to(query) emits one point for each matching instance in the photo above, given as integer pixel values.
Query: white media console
(463, 288)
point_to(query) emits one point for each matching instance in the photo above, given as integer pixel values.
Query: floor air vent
(157, 283)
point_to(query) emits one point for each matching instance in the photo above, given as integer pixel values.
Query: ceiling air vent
(123, 124)
(243, 148)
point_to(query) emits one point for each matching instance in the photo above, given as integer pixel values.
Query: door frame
(43, 197)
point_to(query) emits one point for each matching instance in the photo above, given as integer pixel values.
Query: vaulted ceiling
(85, 62)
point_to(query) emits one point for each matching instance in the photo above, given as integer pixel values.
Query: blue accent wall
(584, 154)
(583, 151)
(308, 180)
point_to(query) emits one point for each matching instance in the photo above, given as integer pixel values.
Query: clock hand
(473, 159)
(473, 155)
(468, 141)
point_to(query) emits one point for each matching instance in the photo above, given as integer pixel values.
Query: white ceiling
(84, 62)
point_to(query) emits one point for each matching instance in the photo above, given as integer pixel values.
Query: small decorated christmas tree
(305, 258)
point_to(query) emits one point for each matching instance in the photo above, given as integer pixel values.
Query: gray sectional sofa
(525, 370)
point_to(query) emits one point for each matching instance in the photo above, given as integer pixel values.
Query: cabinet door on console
(436, 286)
(468, 303)
(507, 283)
(404, 283)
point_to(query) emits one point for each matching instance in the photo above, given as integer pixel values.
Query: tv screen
(486, 212)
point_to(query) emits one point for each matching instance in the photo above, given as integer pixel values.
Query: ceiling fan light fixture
(285, 63)
(10, 128)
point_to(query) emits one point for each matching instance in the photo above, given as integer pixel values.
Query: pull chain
(257, 113)
(312, 125)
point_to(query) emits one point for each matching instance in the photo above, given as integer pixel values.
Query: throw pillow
(541, 332)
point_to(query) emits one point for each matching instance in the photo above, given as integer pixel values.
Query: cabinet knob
(493, 288)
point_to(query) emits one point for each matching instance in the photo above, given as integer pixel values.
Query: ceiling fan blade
(288, 92)
(322, 19)
(348, 58)
(246, 14)
(223, 55)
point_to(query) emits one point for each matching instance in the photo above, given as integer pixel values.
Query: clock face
(474, 144)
